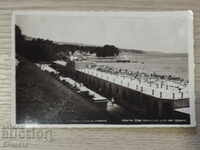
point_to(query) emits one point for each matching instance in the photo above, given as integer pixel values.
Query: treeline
(107, 50)
(34, 49)
(37, 49)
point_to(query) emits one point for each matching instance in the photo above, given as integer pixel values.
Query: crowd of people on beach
(149, 78)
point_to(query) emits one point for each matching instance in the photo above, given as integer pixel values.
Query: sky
(149, 31)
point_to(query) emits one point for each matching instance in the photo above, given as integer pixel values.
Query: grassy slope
(41, 98)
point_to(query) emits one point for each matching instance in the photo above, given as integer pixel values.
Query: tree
(107, 50)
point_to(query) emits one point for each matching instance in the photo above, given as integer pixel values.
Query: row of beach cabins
(79, 87)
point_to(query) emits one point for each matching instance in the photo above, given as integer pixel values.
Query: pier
(132, 94)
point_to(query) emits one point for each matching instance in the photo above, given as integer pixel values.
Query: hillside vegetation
(41, 98)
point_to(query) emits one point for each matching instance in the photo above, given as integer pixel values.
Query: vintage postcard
(103, 69)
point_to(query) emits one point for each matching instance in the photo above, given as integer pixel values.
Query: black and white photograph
(103, 69)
